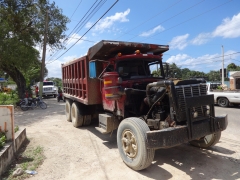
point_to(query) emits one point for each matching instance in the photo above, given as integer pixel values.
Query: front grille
(47, 89)
(190, 91)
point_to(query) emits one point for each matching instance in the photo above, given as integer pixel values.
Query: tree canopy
(22, 27)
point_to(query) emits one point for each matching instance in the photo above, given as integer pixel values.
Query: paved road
(77, 153)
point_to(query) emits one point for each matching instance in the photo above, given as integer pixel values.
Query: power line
(190, 19)
(211, 61)
(86, 31)
(149, 19)
(66, 41)
(76, 9)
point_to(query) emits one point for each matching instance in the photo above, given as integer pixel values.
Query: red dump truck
(115, 83)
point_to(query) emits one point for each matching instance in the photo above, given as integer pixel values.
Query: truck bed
(77, 85)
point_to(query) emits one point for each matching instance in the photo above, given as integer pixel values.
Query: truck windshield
(138, 68)
(48, 83)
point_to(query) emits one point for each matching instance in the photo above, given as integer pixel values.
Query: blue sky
(195, 30)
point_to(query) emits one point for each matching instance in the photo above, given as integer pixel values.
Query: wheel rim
(129, 144)
(223, 102)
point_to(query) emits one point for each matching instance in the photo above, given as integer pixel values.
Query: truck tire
(77, 118)
(68, 110)
(54, 95)
(207, 141)
(223, 102)
(132, 146)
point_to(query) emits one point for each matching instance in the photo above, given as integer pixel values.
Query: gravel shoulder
(74, 153)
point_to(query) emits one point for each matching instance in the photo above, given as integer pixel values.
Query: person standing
(36, 91)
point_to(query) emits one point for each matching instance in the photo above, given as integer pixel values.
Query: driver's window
(155, 70)
(123, 71)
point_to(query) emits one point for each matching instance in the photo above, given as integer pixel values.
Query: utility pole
(222, 65)
(43, 56)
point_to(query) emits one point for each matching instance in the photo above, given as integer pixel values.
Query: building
(234, 80)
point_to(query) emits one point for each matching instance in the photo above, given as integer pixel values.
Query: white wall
(7, 120)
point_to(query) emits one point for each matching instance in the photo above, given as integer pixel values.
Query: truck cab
(49, 88)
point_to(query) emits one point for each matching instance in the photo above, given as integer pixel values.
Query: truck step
(101, 130)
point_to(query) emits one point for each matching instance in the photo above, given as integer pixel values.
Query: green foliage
(233, 67)
(16, 129)
(8, 99)
(2, 139)
(22, 26)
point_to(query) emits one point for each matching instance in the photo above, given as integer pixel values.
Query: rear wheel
(68, 110)
(132, 146)
(207, 141)
(77, 118)
(223, 102)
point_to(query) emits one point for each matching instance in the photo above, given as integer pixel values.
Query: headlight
(207, 112)
(195, 114)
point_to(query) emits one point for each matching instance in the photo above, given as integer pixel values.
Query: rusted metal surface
(108, 49)
(77, 85)
(173, 136)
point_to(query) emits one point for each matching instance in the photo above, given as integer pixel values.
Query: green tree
(233, 67)
(22, 24)
(213, 76)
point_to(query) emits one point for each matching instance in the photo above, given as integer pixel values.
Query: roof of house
(236, 74)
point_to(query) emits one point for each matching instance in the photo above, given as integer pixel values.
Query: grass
(30, 158)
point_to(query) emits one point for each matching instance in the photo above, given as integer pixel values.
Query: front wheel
(207, 141)
(43, 105)
(24, 106)
(223, 102)
(132, 146)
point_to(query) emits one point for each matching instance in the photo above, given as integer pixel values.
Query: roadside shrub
(8, 99)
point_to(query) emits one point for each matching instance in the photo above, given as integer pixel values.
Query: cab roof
(106, 49)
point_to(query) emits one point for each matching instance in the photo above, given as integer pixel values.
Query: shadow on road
(195, 162)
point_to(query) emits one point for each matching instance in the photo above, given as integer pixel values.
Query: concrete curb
(10, 149)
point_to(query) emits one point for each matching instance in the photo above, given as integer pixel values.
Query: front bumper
(173, 136)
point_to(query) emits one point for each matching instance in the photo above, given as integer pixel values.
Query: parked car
(224, 97)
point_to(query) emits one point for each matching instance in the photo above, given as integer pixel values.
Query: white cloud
(230, 28)
(54, 69)
(107, 22)
(205, 62)
(179, 42)
(152, 31)
(201, 39)
(89, 24)
(178, 59)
